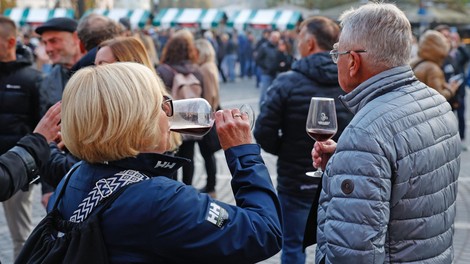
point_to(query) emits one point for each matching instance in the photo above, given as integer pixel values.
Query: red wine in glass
(321, 123)
(320, 134)
(192, 130)
(192, 116)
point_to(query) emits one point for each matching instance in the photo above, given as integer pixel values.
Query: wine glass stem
(324, 161)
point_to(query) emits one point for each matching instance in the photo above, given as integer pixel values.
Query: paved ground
(243, 91)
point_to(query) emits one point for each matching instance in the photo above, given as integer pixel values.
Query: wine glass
(192, 117)
(246, 109)
(321, 123)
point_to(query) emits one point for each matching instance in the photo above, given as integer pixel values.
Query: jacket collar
(152, 164)
(376, 86)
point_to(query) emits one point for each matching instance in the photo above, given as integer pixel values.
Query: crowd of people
(85, 95)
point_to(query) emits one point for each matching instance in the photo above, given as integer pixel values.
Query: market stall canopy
(264, 18)
(23, 16)
(137, 17)
(189, 17)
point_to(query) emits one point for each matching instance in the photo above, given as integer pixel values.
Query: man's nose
(48, 47)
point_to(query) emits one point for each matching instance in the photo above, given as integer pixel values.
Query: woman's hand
(233, 128)
(322, 152)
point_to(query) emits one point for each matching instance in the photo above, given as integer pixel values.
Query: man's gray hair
(94, 29)
(381, 29)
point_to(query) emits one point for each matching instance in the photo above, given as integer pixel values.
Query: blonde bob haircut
(111, 112)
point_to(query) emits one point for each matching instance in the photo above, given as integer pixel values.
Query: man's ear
(11, 42)
(77, 40)
(82, 47)
(312, 44)
(354, 63)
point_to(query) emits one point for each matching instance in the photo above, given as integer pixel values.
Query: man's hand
(233, 128)
(322, 152)
(49, 126)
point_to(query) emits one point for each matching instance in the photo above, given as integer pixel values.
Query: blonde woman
(115, 118)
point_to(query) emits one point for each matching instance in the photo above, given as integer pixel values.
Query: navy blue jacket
(164, 221)
(280, 126)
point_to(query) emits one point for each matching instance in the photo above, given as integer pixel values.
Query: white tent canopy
(137, 17)
(189, 17)
(264, 18)
(23, 16)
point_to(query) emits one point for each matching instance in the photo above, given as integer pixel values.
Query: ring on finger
(237, 115)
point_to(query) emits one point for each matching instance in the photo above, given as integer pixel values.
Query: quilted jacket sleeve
(356, 202)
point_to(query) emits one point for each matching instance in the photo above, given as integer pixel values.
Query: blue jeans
(242, 60)
(230, 61)
(294, 213)
(258, 73)
(265, 82)
(249, 67)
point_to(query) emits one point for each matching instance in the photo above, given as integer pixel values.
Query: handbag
(79, 239)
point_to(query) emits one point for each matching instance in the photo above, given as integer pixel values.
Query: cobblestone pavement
(243, 91)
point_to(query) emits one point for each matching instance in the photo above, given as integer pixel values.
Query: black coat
(280, 126)
(14, 175)
(19, 101)
(267, 58)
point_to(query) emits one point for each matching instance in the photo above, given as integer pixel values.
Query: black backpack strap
(67, 178)
(103, 189)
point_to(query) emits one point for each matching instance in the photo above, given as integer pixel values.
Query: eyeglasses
(167, 106)
(334, 53)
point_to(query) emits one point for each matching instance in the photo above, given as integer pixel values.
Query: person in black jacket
(19, 114)
(266, 58)
(285, 58)
(20, 165)
(280, 127)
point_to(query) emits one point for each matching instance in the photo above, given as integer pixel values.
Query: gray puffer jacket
(389, 191)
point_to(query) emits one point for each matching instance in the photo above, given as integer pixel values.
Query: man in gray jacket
(60, 39)
(389, 190)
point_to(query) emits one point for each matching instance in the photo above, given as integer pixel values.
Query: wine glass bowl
(245, 109)
(248, 111)
(192, 116)
(321, 122)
